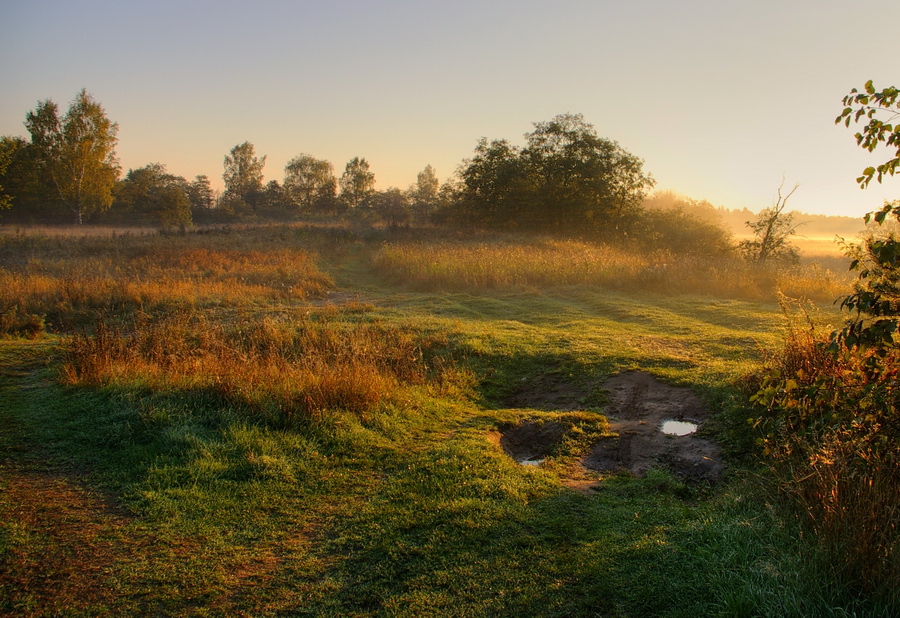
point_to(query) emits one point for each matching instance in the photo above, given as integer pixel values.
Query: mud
(530, 442)
(639, 405)
(547, 392)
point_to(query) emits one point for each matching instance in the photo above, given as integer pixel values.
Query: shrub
(829, 416)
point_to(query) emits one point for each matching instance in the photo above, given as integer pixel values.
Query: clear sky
(720, 98)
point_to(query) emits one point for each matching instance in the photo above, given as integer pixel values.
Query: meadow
(298, 420)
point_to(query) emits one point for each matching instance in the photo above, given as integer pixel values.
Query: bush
(829, 417)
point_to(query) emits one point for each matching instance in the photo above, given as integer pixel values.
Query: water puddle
(531, 462)
(678, 428)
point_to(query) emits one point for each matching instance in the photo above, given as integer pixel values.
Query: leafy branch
(873, 105)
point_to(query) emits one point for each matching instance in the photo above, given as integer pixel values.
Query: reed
(481, 266)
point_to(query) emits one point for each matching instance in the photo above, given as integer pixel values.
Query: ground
(638, 406)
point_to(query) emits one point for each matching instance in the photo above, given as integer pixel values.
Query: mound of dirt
(530, 441)
(639, 405)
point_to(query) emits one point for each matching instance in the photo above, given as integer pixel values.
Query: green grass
(408, 510)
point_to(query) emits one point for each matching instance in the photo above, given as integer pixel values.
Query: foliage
(881, 109)
(310, 183)
(425, 195)
(875, 300)
(76, 152)
(565, 179)
(683, 231)
(426, 188)
(828, 427)
(8, 147)
(829, 406)
(357, 183)
(771, 234)
(150, 194)
(243, 173)
(391, 206)
(201, 194)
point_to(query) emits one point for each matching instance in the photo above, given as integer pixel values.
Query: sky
(722, 100)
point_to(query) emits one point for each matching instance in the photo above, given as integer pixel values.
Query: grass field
(297, 421)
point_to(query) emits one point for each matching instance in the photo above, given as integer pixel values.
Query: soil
(547, 392)
(638, 406)
(531, 441)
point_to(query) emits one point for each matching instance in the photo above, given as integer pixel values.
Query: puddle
(529, 442)
(678, 428)
(644, 412)
(531, 462)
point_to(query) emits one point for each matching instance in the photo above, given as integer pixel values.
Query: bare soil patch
(549, 391)
(639, 405)
(531, 441)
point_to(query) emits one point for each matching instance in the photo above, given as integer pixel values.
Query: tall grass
(553, 263)
(830, 431)
(277, 371)
(69, 279)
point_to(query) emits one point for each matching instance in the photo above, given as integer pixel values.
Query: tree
(425, 191)
(584, 177)
(424, 195)
(276, 201)
(76, 152)
(201, 194)
(150, 194)
(566, 178)
(881, 109)
(26, 191)
(8, 147)
(493, 185)
(771, 234)
(310, 182)
(875, 300)
(357, 183)
(243, 174)
(392, 206)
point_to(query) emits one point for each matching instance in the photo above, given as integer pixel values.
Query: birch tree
(76, 153)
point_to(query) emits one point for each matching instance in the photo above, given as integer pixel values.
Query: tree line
(565, 178)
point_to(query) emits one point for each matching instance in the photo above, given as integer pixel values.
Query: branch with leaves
(882, 111)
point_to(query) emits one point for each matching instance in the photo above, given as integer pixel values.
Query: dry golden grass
(282, 372)
(68, 279)
(550, 263)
